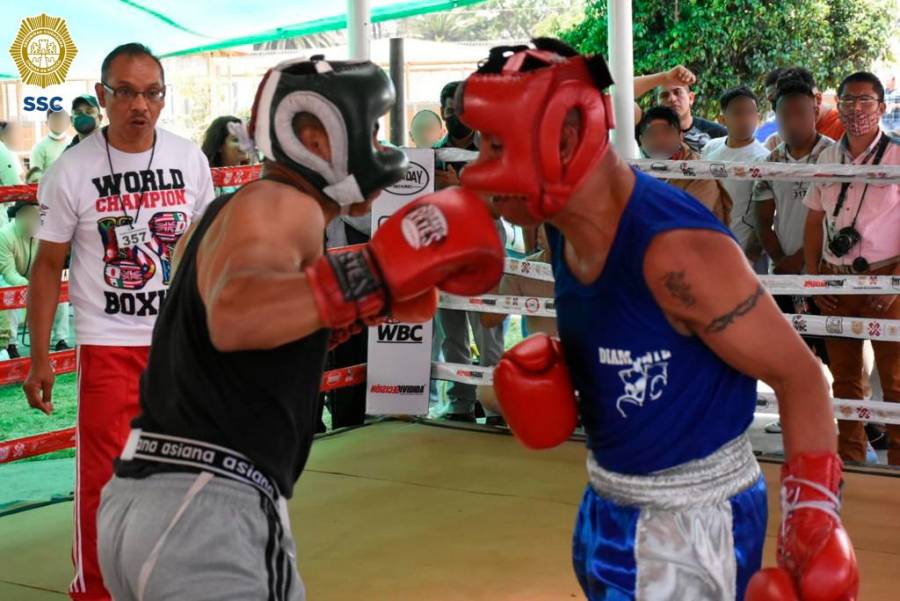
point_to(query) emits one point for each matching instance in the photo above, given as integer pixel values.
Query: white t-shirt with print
(790, 212)
(742, 217)
(116, 291)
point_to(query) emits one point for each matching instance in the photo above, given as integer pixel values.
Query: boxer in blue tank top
(664, 331)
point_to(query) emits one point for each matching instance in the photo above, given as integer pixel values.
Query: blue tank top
(651, 398)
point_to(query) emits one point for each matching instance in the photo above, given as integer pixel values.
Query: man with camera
(852, 228)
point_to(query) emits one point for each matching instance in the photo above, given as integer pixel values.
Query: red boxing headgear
(525, 106)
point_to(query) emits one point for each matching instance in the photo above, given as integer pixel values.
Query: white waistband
(728, 471)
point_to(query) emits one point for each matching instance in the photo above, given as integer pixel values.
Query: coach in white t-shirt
(120, 200)
(740, 112)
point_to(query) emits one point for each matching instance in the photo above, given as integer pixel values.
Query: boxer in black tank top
(197, 507)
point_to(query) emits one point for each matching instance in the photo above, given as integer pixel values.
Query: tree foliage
(737, 42)
(496, 20)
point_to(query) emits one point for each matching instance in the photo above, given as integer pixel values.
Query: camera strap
(842, 197)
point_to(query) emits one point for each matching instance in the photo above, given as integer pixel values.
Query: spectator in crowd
(10, 165)
(852, 228)
(18, 247)
(740, 111)
(458, 136)
(426, 129)
(347, 405)
(517, 285)
(828, 122)
(223, 149)
(768, 125)
(48, 150)
(86, 117)
(778, 205)
(454, 325)
(779, 208)
(891, 119)
(660, 136)
(120, 200)
(674, 91)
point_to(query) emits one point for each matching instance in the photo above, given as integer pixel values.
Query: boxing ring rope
(846, 409)
(887, 330)
(14, 371)
(48, 442)
(818, 173)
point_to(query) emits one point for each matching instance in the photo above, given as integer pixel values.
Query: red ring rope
(48, 442)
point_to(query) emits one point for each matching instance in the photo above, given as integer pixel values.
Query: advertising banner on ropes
(399, 363)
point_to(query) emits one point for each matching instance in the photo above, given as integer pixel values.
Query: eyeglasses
(866, 103)
(126, 93)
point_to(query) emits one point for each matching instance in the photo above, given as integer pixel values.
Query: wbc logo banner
(399, 363)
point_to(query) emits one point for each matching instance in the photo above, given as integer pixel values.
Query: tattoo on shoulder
(721, 323)
(678, 288)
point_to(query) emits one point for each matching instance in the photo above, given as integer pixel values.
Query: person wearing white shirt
(120, 200)
(48, 150)
(740, 113)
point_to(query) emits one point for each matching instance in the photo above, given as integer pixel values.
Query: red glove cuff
(347, 286)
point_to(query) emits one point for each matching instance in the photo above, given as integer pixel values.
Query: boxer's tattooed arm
(678, 288)
(721, 323)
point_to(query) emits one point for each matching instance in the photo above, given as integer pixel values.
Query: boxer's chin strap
(790, 499)
(345, 193)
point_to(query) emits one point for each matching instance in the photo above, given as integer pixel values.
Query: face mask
(56, 136)
(860, 124)
(457, 129)
(84, 124)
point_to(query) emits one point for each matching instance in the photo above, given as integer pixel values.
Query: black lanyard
(112, 175)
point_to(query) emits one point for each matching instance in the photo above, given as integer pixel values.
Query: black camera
(843, 241)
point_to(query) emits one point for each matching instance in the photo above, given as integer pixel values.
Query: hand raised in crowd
(680, 75)
(38, 386)
(881, 303)
(445, 178)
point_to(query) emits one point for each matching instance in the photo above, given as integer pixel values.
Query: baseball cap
(85, 99)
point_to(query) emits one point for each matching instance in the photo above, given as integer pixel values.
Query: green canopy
(176, 27)
(395, 10)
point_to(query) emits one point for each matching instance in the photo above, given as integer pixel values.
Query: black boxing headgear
(347, 97)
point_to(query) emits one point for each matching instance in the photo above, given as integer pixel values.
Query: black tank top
(259, 403)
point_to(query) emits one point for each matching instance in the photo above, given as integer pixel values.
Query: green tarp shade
(176, 27)
(400, 10)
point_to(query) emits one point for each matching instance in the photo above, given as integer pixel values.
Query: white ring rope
(852, 410)
(805, 285)
(824, 173)
(810, 325)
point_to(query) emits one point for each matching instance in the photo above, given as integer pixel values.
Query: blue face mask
(84, 124)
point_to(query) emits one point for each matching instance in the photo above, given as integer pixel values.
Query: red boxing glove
(771, 584)
(415, 310)
(534, 390)
(341, 335)
(446, 240)
(813, 547)
(418, 309)
(347, 287)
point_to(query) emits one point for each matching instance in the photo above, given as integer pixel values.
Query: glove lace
(790, 500)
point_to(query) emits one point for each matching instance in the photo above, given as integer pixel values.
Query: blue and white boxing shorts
(692, 532)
